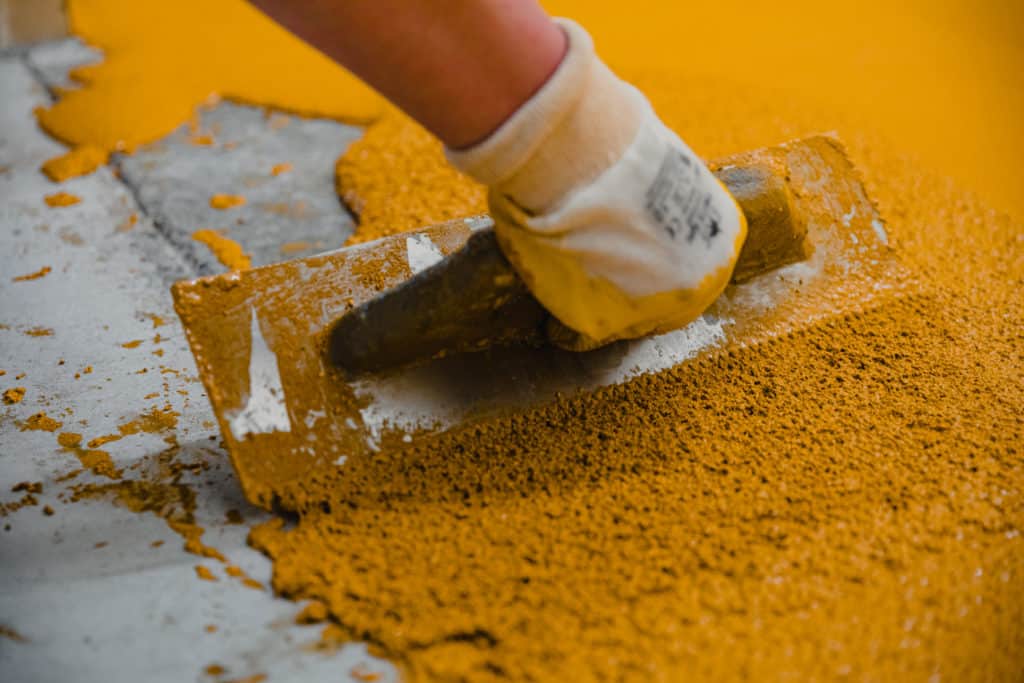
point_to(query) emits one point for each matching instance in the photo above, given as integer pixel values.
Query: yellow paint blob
(60, 199)
(81, 160)
(226, 201)
(227, 251)
(163, 59)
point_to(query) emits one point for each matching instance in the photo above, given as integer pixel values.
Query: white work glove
(615, 225)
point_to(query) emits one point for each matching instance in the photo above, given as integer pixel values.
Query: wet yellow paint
(940, 79)
(162, 59)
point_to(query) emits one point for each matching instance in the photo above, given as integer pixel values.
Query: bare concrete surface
(50, 62)
(90, 596)
(292, 214)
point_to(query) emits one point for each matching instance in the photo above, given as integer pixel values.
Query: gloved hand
(615, 225)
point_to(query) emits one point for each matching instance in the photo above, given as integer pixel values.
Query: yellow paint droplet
(42, 272)
(14, 395)
(226, 201)
(204, 573)
(69, 439)
(58, 199)
(227, 251)
(81, 160)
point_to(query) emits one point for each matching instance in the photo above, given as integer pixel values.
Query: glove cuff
(568, 133)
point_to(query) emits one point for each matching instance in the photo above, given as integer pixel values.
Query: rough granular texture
(14, 395)
(395, 179)
(842, 502)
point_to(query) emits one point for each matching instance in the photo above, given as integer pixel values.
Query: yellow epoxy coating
(841, 503)
(163, 59)
(941, 78)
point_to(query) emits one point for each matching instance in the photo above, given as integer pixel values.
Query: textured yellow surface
(841, 503)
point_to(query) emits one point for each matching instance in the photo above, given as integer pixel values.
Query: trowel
(310, 362)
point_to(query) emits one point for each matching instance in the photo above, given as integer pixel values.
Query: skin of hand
(459, 71)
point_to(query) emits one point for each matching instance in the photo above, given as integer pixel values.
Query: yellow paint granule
(60, 199)
(40, 422)
(42, 272)
(69, 439)
(79, 161)
(226, 201)
(14, 395)
(204, 573)
(313, 613)
(227, 251)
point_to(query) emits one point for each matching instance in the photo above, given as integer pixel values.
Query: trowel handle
(470, 300)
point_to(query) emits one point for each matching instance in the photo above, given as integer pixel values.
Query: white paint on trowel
(422, 253)
(849, 216)
(264, 410)
(418, 399)
(879, 227)
(654, 354)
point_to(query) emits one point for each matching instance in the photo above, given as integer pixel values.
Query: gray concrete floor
(127, 611)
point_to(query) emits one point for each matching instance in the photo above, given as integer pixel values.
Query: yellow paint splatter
(60, 199)
(100, 440)
(69, 439)
(14, 395)
(227, 251)
(42, 272)
(278, 169)
(226, 201)
(40, 422)
(79, 161)
(204, 573)
(128, 223)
